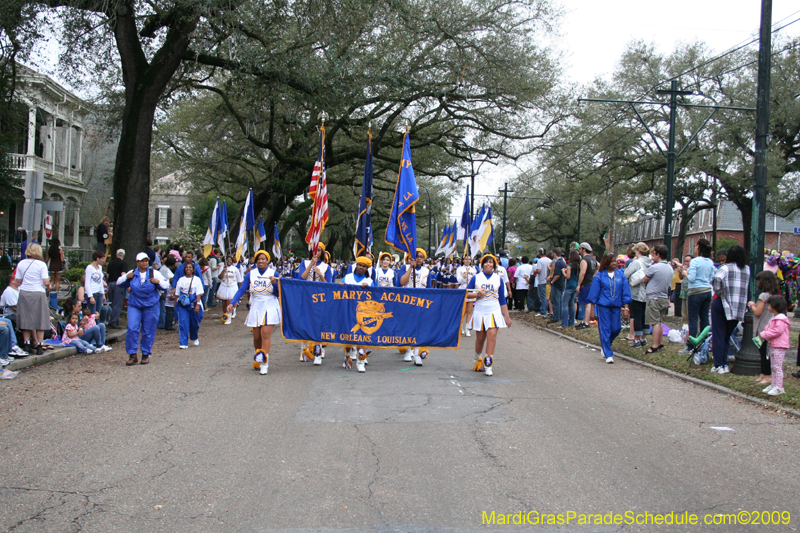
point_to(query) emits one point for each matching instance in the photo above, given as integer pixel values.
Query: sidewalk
(113, 336)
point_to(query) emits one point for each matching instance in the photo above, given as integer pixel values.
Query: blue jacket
(142, 294)
(601, 289)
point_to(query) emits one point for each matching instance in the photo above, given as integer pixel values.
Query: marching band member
(385, 276)
(314, 269)
(265, 309)
(464, 274)
(359, 277)
(230, 279)
(421, 279)
(488, 313)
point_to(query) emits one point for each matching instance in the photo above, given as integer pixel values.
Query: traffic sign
(48, 226)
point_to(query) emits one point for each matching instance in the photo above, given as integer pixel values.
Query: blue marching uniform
(142, 309)
(609, 295)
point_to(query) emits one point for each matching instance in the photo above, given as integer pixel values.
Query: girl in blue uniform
(609, 293)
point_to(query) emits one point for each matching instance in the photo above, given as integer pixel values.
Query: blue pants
(82, 345)
(721, 331)
(95, 335)
(162, 313)
(608, 326)
(543, 307)
(698, 305)
(568, 308)
(117, 295)
(188, 324)
(582, 301)
(556, 295)
(141, 320)
(6, 332)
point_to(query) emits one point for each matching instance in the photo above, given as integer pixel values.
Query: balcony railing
(35, 163)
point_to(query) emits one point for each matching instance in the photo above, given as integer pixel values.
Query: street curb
(60, 353)
(684, 377)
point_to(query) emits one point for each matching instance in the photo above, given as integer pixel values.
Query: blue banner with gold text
(372, 316)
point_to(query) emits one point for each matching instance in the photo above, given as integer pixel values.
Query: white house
(52, 144)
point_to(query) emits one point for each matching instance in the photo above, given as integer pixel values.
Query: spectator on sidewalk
(585, 276)
(730, 282)
(102, 234)
(33, 317)
(657, 279)
(541, 271)
(557, 283)
(115, 269)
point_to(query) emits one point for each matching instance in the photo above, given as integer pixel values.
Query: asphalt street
(199, 441)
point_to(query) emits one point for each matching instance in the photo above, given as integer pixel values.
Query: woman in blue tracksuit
(609, 292)
(146, 285)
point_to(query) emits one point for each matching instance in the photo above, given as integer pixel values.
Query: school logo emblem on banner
(371, 316)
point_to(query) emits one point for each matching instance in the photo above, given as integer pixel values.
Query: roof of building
(175, 183)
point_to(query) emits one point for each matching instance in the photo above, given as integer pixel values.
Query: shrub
(74, 274)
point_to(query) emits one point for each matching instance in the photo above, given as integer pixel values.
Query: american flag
(319, 215)
(318, 190)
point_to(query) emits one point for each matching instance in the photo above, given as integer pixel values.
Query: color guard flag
(261, 234)
(276, 245)
(222, 226)
(443, 241)
(486, 230)
(465, 228)
(363, 242)
(401, 231)
(212, 232)
(319, 191)
(246, 223)
(474, 233)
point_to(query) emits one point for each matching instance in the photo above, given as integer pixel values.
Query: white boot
(361, 361)
(468, 334)
(318, 354)
(264, 368)
(408, 356)
(233, 315)
(487, 365)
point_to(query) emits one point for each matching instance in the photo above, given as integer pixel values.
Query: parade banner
(383, 317)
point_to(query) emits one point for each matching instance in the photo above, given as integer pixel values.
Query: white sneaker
(360, 366)
(723, 370)
(4, 361)
(408, 357)
(768, 389)
(417, 360)
(264, 368)
(182, 347)
(196, 342)
(89, 351)
(227, 321)
(488, 371)
(610, 360)
(468, 334)
(106, 348)
(714, 370)
(16, 350)
(776, 391)
(317, 360)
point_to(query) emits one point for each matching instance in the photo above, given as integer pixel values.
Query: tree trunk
(144, 84)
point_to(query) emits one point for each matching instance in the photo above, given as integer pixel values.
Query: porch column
(75, 230)
(62, 224)
(79, 165)
(31, 131)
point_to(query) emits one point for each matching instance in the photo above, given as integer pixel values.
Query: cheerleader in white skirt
(230, 278)
(464, 274)
(265, 309)
(488, 312)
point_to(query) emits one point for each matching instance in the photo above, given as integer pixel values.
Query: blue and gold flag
(363, 242)
(276, 245)
(261, 233)
(401, 231)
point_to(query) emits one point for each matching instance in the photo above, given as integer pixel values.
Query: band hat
(487, 256)
(586, 246)
(262, 252)
(385, 254)
(364, 260)
(422, 251)
(141, 256)
(322, 247)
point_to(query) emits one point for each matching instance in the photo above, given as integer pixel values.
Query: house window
(186, 216)
(163, 217)
(162, 241)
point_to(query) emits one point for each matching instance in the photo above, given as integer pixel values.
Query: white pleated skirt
(227, 293)
(263, 313)
(484, 321)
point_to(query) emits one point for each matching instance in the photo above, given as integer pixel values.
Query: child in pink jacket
(777, 333)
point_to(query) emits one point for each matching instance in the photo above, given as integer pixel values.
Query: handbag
(185, 299)
(637, 277)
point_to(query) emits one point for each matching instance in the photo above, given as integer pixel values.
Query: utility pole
(748, 360)
(673, 93)
(505, 190)
(671, 155)
(580, 205)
